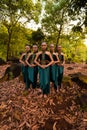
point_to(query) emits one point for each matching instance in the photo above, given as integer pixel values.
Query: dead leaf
(85, 120)
(22, 124)
(3, 105)
(54, 126)
(35, 127)
(21, 109)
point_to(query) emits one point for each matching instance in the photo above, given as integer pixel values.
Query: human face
(59, 48)
(35, 48)
(51, 48)
(27, 48)
(44, 46)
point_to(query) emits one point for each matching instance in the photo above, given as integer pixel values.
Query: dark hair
(59, 46)
(27, 45)
(43, 42)
(34, 45)
(52, 44)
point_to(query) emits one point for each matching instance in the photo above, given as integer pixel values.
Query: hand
(29, 65)
(47, 66)
(62, 64)
(33, 65)
(59, 64)
(43, 66)
(24, 64)
(54, 63)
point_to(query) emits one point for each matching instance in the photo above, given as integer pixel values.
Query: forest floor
(20, 110)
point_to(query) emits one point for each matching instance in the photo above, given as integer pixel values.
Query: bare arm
(36, 60)
(63, 60)
(21, 59)
(51, 62)
(62, 64)
(55, 62)
(27, 60)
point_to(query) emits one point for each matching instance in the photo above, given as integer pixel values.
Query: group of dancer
(49, 65)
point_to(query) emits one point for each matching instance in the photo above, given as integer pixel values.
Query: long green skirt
(25, 75)
(60, 75)
(44, 76)
(32, 75)
(54, 75)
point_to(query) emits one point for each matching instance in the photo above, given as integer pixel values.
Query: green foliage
(14, 14)
(77, 29)
(13, 11)
(55, 18)
(19, 38)
(38, 36)
(77, 5)
(77, 8)
(73, 47)
(3, 41)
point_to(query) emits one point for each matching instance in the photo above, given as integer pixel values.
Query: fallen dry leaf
(35, 127)
(54, 126)
(21, 110)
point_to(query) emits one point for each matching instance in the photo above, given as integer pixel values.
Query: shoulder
(30, 54)
(23, 54)
(38, 53)
(55, 53)
(48, 53)
(62, 53)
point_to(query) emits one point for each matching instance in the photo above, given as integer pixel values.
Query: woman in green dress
(32, 67)
(24, 66)
(60, 65)
(54, 68)
(44, 60)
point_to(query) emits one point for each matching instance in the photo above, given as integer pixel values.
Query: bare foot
(45, 96)
(41, 96)
(58, 89)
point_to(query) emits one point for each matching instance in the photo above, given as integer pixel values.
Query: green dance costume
(25, 73)
(32, 71)
(54, 72)
(44, 74)
(60, 70)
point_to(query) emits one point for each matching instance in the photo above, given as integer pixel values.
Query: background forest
(62, 22)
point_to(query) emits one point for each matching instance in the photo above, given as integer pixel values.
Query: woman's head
(51, 47)
(59, 48)
(35, 48)
(44, 46)
(27, 48)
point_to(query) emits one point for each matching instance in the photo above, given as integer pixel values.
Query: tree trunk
(9, 41)
(59, 33)
(60, 30)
